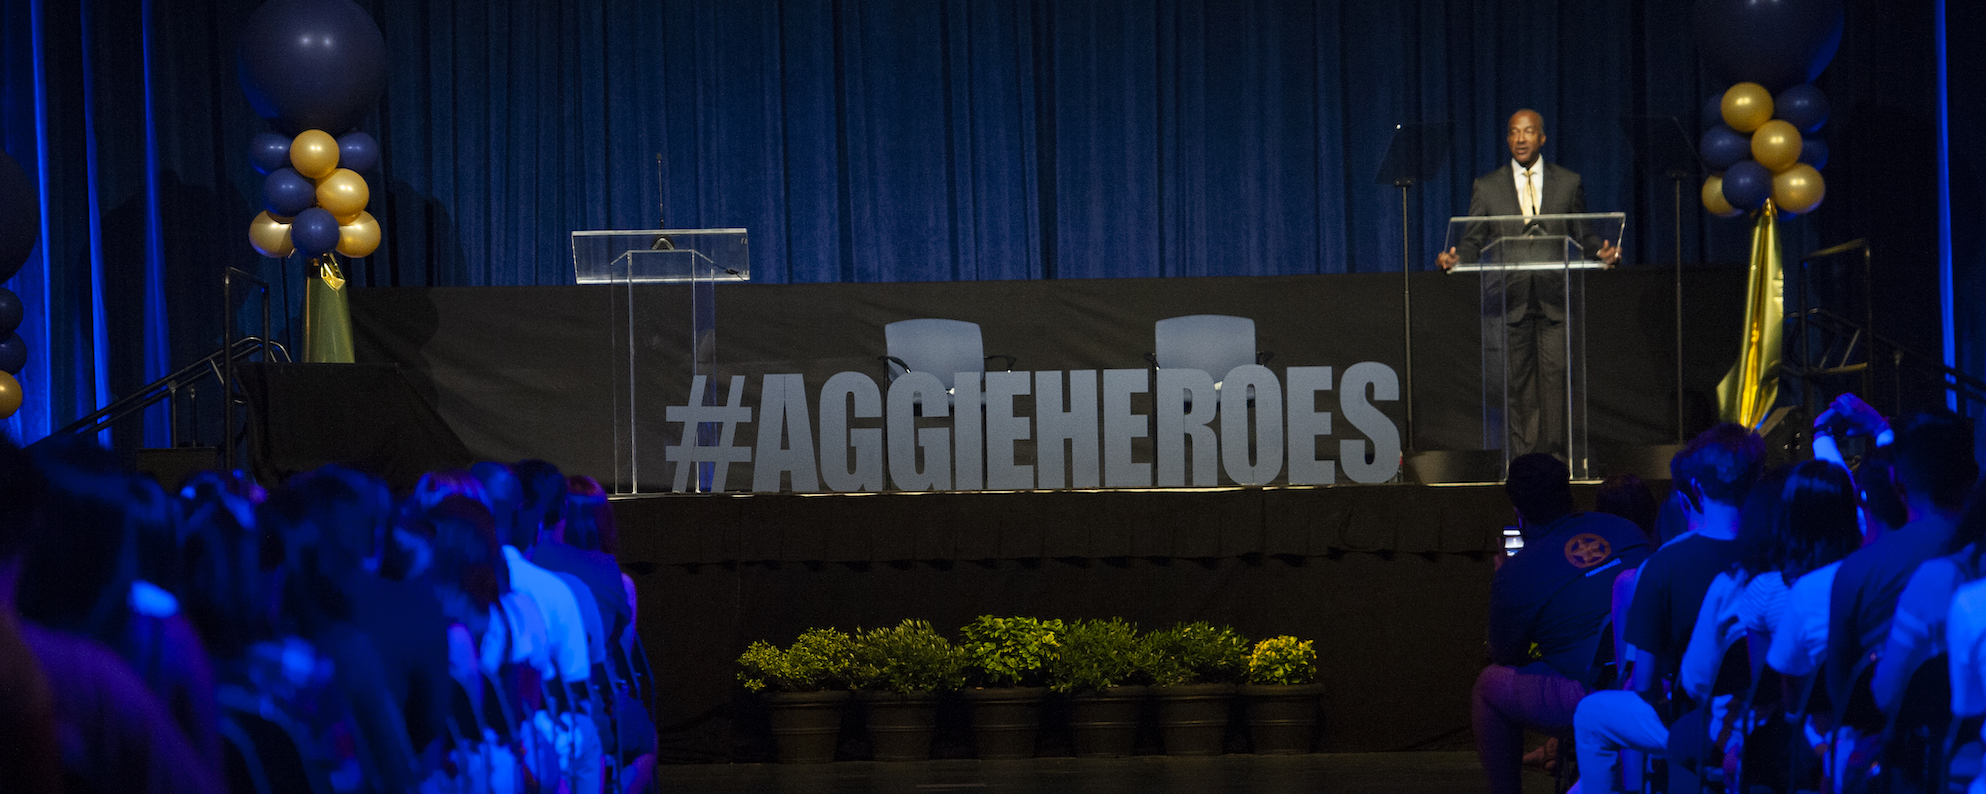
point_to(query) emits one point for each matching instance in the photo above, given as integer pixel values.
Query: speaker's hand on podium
(1447, 259)
(1609, 255)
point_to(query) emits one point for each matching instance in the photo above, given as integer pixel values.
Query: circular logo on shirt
(1587, 550)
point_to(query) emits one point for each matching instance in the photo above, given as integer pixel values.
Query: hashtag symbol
(723, 453)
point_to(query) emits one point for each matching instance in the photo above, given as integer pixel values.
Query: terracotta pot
(1193, 717)
(1004, 720)
(806, 725)
(1282, 718)
(900, 724)
(1105, 724)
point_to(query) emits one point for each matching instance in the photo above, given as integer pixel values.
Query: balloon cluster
(1764, 150)
(314, 195)
(309, 66)
(20, 227)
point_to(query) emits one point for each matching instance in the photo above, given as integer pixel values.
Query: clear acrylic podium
(1533, 320)
(662, 337)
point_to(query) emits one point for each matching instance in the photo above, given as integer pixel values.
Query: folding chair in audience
(1734, 678)
(1963, 753)
(1915, 755)
(1600, 671)
(1860, 712)
(276, 751)
(1804, 695)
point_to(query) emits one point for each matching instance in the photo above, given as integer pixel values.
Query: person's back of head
(1759, 542)
(1625, 495)
(1719, 465)
(77, 572)
(1540, 487)
(505, 497)
(468, 555)
(223, 573)
(589, 520)
(545, 492)
(1934, 462)
(22, 490)
(1875, 489)
(1818, 522)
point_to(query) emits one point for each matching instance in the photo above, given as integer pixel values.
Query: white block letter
(783, 406)
(1176, 388)
(906, 393)
(1257, 381)
(838, 439)
(1307, 424)
(1369, 420)
(1120, 426)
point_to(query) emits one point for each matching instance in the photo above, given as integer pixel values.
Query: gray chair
(940, 347)
(1212, 343)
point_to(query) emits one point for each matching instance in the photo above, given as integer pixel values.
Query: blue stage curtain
(866, 141)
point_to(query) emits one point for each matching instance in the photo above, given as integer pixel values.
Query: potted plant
(1008, 658)
(1281, 695)
(1102, 667)
(898, 671)
(805, 686)
(1195, 667)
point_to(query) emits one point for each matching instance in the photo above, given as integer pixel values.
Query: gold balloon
(10, 395)
(1713, 198)
(1799, 189)
(1746, 106)
(1776, 145)
(343, 193)
(314, 153)
(360, 237)
(270, 237)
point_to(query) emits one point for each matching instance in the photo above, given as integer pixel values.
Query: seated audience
(1715, 473)
(1547, 605)
(1917, 632)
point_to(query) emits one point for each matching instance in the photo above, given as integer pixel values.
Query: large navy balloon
(13, 354)
(20, 217)
(1747, 185)
(286, 192)
(1802, 105)
(312, 64)
(1723, 147)
(315, 231)
(1775, 43)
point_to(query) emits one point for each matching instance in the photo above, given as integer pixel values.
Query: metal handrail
(228, 376)
(151, 393)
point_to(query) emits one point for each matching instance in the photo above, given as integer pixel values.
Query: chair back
(940, 347)
(1212, 343)
(281, 748)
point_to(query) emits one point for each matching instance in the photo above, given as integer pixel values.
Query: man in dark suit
(1533, 303)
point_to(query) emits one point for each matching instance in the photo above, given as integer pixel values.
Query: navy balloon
(312, 64)
(1713, 111)
(268, 151)
(1803, 105)
(1747, 185)
(1775, 43)
(1813, 151)
(13, 354)
(357, 151)
(11, 312)
(314, 231)
(286, 192)
(1723, 147)
(20, 217)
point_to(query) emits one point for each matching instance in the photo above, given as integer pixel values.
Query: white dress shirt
(1537, 177)
(1801, 641)
(564, 626)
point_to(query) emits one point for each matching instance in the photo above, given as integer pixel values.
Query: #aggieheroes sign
(1253, 426)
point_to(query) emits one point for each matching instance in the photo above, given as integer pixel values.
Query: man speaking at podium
(1534, 303)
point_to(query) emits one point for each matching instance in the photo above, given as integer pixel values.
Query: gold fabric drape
(1752, 386)
(327, 316)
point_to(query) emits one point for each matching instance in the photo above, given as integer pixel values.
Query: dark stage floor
(1349, 773)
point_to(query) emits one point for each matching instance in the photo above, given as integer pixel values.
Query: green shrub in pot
(1197, 653)
(1010, 652)
(1095, 655)
(819, 660)
(907, 657)
(1282, 660)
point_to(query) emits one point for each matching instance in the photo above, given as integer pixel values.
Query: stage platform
(1391, 581)
(1362, 773)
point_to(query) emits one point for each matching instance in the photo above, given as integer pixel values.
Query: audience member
(1625, 495)
(1715, 472)
(1917, 632)
(1547, 605)
(30, 753)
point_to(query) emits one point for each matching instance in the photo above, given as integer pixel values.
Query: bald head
(1526, 136)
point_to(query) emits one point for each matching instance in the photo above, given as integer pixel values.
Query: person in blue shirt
(1547, 606)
